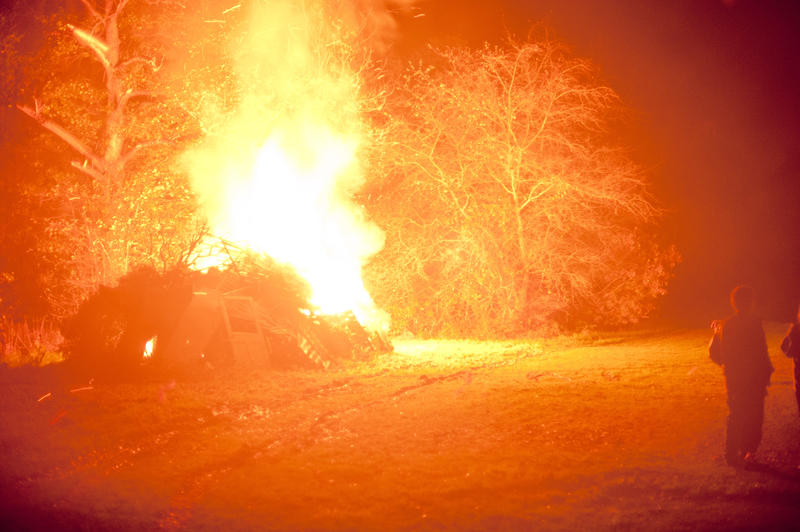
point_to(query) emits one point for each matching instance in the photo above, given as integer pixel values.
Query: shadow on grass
(785, 474)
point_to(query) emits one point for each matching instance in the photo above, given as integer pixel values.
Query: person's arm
(767, 363)
(794, 341)
(715, 345)
(788, 341)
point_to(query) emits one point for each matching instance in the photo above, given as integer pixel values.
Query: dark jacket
(740, 347)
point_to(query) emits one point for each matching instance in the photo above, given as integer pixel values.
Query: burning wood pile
(253, 313)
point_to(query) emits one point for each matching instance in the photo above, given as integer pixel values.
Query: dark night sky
(714, 86)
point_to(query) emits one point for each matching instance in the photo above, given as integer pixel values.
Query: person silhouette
(791, 348)
(740, 347)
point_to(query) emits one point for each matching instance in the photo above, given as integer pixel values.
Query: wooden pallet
(244, 332)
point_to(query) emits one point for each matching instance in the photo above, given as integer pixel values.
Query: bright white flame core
(296, 212)
(278, 173)
(148, 347)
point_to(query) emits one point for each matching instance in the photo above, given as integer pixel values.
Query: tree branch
(64, 135)
(130, 94)
(91, 9)
(121, 6)
(136, 149)
(150, 62)
(88, 170)
(99, 47)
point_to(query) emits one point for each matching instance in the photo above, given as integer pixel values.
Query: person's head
(743, 298)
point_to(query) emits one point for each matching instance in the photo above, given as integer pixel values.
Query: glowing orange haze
(293, 210)
(279, 176)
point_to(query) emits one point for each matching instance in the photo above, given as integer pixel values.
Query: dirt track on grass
(625, 433)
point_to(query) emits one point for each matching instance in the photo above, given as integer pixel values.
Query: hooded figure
(740, 347)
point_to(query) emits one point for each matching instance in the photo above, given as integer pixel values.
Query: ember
(149, 346)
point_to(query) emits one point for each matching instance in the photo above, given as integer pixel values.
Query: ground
(615, 432)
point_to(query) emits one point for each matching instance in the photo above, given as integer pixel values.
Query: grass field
(612, 433)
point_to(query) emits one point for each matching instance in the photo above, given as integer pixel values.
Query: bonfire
(253, 313)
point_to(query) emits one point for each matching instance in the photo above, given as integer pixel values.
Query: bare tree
(101, 98)
(508, 200)
(125, 89)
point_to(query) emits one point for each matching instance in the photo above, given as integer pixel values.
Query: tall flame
(280, 174)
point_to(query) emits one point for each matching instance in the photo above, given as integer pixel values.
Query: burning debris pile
(254, 313)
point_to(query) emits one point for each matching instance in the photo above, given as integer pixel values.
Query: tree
(508, 200)
(31, 266)
(121, 91)
(97, 89)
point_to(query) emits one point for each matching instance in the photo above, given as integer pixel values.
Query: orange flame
(149, 347)
(280, 177)
(296, 213)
